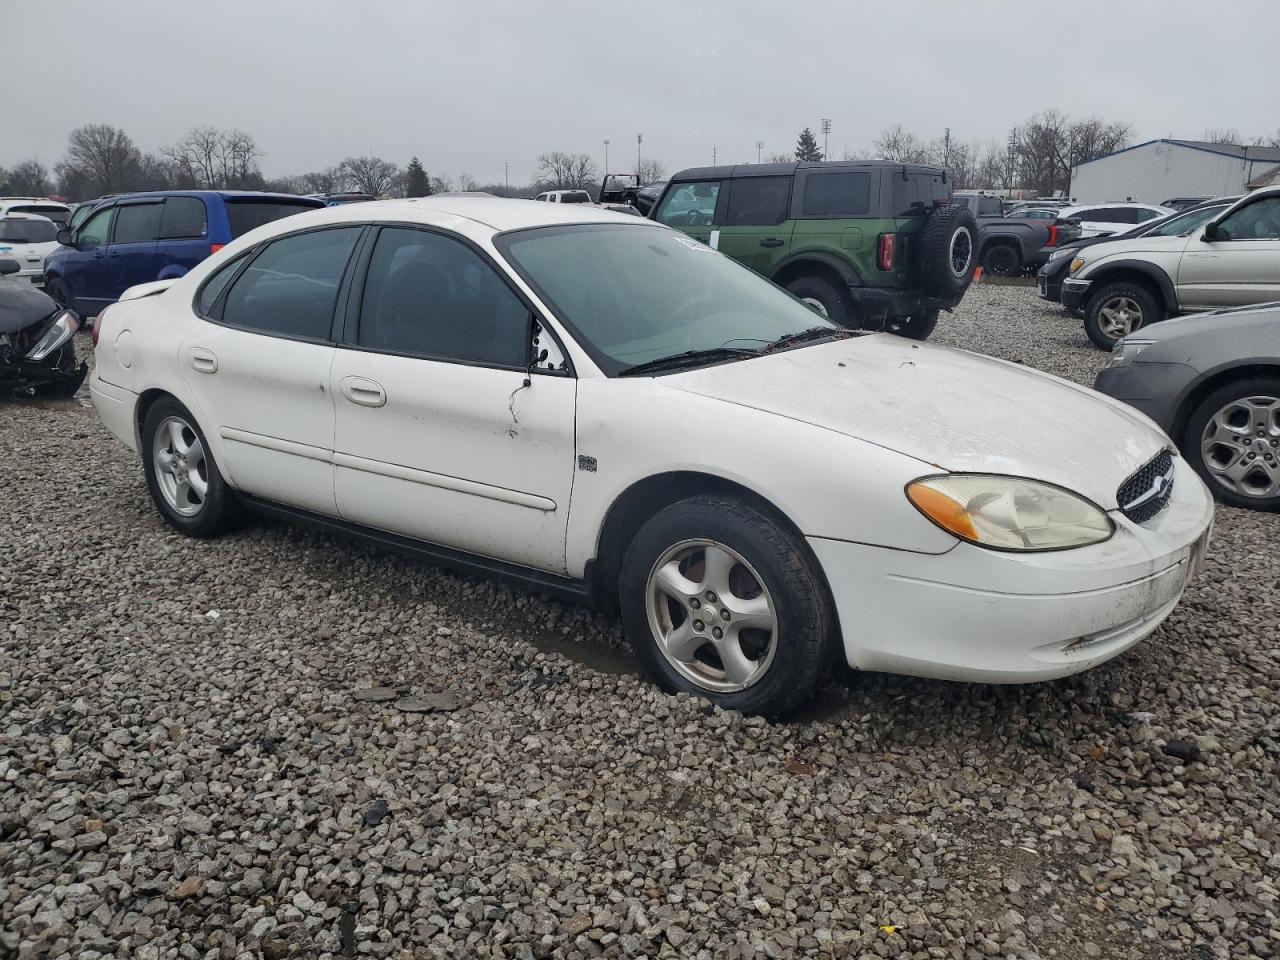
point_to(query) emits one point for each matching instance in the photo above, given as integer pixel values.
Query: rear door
(756, 229)
(833, 212)
(131, 255)
(1240, 266)
(184, 235)
(692, 207)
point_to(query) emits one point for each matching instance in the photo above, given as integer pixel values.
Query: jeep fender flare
(1168, 294)
(793, 266)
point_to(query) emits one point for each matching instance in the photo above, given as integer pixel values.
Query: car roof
(786, 169)
(1113, 203)
(225, 194)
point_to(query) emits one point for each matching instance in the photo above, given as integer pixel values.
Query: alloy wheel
(181, 469)
(712, 616)
(1240, 446)
(961, 251)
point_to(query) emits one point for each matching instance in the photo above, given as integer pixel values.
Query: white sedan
(599, 407)
(28, 238)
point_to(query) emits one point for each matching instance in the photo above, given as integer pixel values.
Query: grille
(1147, 492)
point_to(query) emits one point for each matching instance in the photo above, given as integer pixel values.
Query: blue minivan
(140, 237)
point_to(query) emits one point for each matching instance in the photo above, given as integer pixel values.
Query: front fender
(1105, 269)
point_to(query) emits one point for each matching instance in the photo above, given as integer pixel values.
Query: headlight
(1126, 350)
(1076, 264)
(1059, 254)
(59, 332)
(1009, 513)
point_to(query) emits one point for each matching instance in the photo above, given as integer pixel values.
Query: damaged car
(602, 408)
(37, 348)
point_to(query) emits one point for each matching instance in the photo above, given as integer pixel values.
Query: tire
(1131, 307)
(1001, 260)
(827, 298)
(761, 563)
(918, 326)
(185, 509)
(1248, 405)
(57, 288)
(948, 251)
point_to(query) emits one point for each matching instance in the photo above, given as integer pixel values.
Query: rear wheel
(827, 298)
(1117, 310)
(1001, 260)
(918, 326)
(183, 478)
(721, 600)
(1233, 442)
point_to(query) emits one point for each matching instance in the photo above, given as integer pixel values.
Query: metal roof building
(1162, 169)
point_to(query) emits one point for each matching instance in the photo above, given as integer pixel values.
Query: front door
(259, 366)
(438, 437)
(1240, 265)
(691, 209)
(756, 230)
(85, 270)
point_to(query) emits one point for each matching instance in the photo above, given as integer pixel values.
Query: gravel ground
(191, 764)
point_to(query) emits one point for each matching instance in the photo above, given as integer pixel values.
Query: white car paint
(55, 210)
(478, 460)
(1093, 226)
(30, 256)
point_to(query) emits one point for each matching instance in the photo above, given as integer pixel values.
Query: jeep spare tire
(948, 250)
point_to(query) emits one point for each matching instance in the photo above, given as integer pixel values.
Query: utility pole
(639, 140)
(1013, 147)
(759, 148)
(606, 157)
(506, 174)
(826, 130)
(713, 156)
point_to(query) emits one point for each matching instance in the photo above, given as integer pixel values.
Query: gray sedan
(1212, 381)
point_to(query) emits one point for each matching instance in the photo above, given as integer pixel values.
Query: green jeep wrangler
(871, 244)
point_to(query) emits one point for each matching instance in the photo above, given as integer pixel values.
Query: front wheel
(183, 478)
(722, 601)
(918, 326)
(1233, 442)
(1117, 310)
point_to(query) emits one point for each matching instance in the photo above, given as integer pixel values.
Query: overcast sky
(470, 84)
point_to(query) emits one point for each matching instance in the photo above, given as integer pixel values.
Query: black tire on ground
(57, 289)
(828, 297)
(1260, 390)
(805, 639)
(918, 326)
(1134, 300)
(220, 510)
(1002, 260)
(948, 250)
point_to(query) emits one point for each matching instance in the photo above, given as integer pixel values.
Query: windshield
(1186, 222)
(28, 231)
(632, 294)
(55, 213)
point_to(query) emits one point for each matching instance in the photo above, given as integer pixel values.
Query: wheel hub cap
(180, 467)
(1240, 447)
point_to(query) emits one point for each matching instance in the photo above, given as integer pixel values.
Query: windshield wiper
(805, 336)
(690, 358)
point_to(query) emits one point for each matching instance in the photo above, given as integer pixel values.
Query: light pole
(713, 155)
(506, 174)
(639, 140)
(759, 148)
(606, 157)
(826, 129)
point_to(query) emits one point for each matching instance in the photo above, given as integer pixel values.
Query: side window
(291, 286)
(1092, 216)
(1145, 215)
(214, 286)
(95, 230)
(758, 201)
(836, 195)
(1260, 220)
(428, 295)
(137, 223)
(184, 218)
(690, 204)
(989, 207)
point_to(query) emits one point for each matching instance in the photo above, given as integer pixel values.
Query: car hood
(950, 409)
(1117, 246)
(1217, 324)
(22, 305)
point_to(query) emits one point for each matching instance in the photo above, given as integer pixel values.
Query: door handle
(770, 242)
(113, 254)
(202, 360)
(365, 392)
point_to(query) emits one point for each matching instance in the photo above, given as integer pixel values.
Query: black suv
(870, 244)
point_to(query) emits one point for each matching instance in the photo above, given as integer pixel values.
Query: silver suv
(1231, 261)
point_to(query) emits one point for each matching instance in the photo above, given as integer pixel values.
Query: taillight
(215, 247)
(1053, 235)
(884, 251)
(97, 326)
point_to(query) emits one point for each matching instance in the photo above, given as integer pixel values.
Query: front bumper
(1073, 292)
(981, 615)
(1049, 280)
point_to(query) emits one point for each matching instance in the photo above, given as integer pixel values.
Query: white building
(1163, 169)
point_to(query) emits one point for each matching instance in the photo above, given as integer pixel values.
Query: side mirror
(8, 266)
(1210, 232)
(65, 238)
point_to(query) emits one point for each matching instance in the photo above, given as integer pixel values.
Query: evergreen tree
(416, 181)
(807, 146)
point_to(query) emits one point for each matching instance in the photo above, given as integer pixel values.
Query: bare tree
(1050, 144)
(332, 180)
(566, 171)
(30, 178)
(467, 183)
(100, 159)
(651, 171)
(371, 175)
(780, 158)
(215, 159)
(1222, 135)
(901, 146)
(441, 184)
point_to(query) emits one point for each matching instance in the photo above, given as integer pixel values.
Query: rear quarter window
(184, 218)
(246, 215)
(846, 194)
(918, 188)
